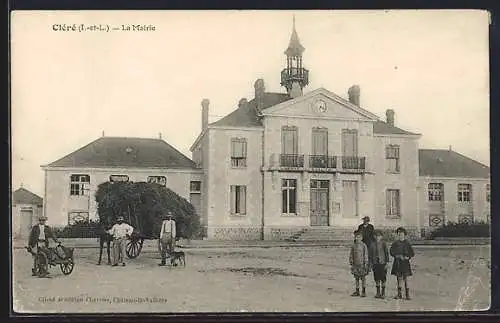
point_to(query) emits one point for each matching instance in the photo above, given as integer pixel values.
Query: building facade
(452, 187)
(71, 182)
(285, 162)
(27, 207)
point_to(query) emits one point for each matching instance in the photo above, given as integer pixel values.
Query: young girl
(358, 259)
(380, 261)
(402, 251)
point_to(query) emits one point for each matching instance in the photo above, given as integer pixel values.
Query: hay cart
(134, 244)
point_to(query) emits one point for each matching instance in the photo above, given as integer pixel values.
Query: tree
(143, 205)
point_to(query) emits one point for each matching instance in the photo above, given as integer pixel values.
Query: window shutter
(232, 199)
(388, 202)
(243, 199)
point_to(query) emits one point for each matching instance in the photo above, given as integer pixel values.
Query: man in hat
(120, 232)
(39, 241)
(167, 237)
(367, 231)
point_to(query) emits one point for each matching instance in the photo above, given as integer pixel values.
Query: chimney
(243, 103)
(204, 114)
(389, 115)
(260, 89)
(353, 93)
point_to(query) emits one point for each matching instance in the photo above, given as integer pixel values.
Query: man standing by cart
(39, 241)
(167, 237)
(120, 232)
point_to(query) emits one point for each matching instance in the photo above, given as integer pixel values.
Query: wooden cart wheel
(67, 267)
(134, 247)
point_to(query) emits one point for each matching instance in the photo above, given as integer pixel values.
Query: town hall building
(285, 165)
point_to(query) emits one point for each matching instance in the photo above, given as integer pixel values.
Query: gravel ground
(289, 279)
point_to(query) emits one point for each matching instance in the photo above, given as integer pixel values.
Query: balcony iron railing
(287, 160)
(322, 161)
(291, 74)
(353, 162)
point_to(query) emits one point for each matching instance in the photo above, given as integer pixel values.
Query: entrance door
(26, 222)
(319, 202)
(350, 199)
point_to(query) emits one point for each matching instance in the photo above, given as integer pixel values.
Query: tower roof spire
(295, 48)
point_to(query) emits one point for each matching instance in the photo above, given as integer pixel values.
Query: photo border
(269, 317)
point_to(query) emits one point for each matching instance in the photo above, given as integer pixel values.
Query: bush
(466, 230)
(143, 205)
(83, 229)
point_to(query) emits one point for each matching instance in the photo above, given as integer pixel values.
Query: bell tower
(294, 77)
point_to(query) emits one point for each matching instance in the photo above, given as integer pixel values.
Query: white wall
(480, 207)
(406, 180)
(221, 175)
(58, 202)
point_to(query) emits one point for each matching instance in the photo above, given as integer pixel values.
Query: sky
(430, 67)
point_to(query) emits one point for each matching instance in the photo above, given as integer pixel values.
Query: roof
(381, 127)
(448, 163)
(126, 152)
(23, 196)
(246, 116)
(295, 48)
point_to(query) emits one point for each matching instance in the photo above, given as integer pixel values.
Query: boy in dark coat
(358, 259)
(402, 252)
(379, 259)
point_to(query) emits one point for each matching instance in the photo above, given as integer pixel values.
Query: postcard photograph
(250, 161)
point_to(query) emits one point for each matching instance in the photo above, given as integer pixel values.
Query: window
(289, 140)
(162, 180)
(289, 196)
(238, 152)
(319, 142)
(349, 142)
(464, 193)
(488, 192)
(78, 217)
(393, 209)
(79, 184)
(195, 197)
(118, 178)
(435, 191)
(392, 158)
(195, 187)
(238, 199)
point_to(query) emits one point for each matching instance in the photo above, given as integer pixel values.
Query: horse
(104, 238)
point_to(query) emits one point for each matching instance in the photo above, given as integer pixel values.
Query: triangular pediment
(320, 103)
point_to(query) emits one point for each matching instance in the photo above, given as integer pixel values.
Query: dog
(177, 257)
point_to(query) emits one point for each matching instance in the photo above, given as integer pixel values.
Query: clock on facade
(321, 106)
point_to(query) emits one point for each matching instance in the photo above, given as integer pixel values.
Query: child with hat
(402, 252)
(358, 259)
(379, 259)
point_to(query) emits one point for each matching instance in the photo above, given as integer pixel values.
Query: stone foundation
(292, 233)
(281, 234)
(235, 233)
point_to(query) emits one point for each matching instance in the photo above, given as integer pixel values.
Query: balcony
(322, 161)
(294, 74)
(353, 163)
(317, 163)
(291, 161)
